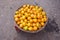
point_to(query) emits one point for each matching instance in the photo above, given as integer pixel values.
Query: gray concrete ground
(7, 9)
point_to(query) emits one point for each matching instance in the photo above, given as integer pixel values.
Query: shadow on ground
(50, 27)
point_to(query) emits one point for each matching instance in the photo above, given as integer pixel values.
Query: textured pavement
(7, 30)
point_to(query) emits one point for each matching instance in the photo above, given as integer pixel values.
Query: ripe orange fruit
(30, 28)
(21, 21)
(16, 19)
(24, 6)
(43, 13)
(19, 15)
(25, 20)
(18, 22)
(42, 19)
(34, 28)
(31, 6)
(35, 16)
(21, 26)
(22, 11)
(45, 16)
(45, 19)
(26, 14)
(40, 9)
(34, 24)
(25, 27)
(15, 16)
(33, 9)
(29, 18)
(39, 20)
(42, 23)
(16, 12)
(36, 7)
(39, 16)
(29, 24)
(28, 10)
(35, 20)
(20, 18)
(28, 5)
(23, 17)
(32, 15)
(37, 24)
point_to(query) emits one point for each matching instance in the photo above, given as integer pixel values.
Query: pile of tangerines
(30, 17)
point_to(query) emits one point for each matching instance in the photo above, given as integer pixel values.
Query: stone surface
(7, 9)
